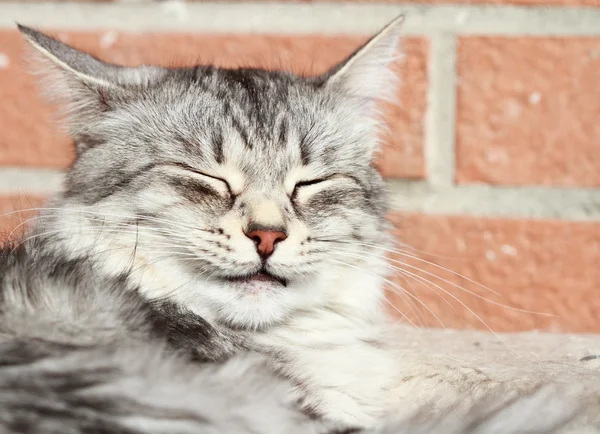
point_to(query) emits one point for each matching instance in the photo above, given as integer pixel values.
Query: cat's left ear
(86, 85)
(367, 73)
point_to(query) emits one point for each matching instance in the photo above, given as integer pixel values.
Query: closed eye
(308, 183)
(213, 180)
(311, 182)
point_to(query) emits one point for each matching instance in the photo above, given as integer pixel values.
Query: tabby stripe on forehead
(242, 132)
(305, 147)
(235, 122)
(188, 145)
(228, 112)
(217, 145)
(283, 133)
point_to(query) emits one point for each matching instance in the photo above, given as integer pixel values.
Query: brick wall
(493, 157)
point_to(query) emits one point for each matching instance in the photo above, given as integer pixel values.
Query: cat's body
(339, 367)
(228, 224)
(80, 355)
(337, 360)
(177, 172)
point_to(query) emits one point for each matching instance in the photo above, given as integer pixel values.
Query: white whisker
(487, 300)
(433, 264)
(455, 298)
(391, 283)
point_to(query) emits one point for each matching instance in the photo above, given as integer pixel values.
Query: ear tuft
(84, 85)
(81, 65)
(367, 73)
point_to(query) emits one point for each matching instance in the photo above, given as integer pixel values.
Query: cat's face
(243, 193)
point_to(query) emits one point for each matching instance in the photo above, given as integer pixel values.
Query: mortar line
(27, 180)
(440, 121)
(299, 18)
(480, 200)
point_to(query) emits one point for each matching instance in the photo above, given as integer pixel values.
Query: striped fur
(138, 304)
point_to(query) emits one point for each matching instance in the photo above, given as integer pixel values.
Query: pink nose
(266, 240)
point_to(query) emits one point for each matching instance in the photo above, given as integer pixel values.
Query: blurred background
(492, 156)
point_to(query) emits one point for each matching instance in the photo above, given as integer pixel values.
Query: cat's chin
(258, 301)
(256, 282)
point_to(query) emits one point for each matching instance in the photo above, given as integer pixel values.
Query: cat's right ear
(85, 85)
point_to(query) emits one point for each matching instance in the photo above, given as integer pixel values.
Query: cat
(215, 261)
(243, 198)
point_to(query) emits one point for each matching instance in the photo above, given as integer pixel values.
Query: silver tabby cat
(203, 270)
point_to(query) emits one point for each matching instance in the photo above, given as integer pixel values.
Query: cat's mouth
(262, 276)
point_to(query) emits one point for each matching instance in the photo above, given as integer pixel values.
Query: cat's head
(243, 194)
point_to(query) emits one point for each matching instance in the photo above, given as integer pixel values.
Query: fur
(175, 166)
(133, 305)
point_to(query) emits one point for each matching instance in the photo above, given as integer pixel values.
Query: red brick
(29, 139)
(528, 111)
(15, 211)
(542, 266)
